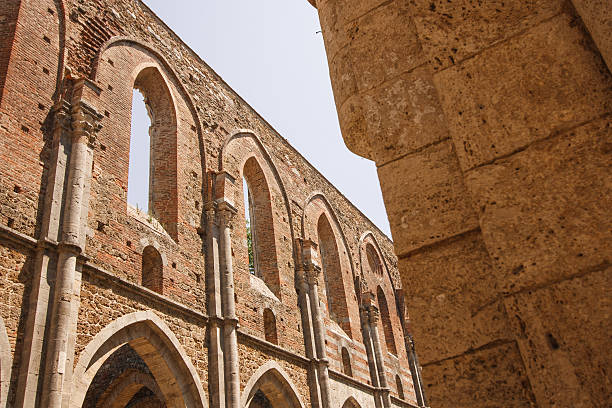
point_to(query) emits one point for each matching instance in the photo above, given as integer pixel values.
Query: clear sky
(271, 53)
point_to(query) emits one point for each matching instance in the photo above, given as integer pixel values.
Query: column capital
(85, 122)
(226, 211)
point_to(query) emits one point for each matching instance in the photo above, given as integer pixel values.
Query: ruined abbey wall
(103, 304)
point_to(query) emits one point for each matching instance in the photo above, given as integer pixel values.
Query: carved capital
(226, 212)
(85, 123)
(312, 275)
(373, 315)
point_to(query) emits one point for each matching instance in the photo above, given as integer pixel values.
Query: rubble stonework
(102, 305)
(490, 123)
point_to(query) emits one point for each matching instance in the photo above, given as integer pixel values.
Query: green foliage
(250, 247)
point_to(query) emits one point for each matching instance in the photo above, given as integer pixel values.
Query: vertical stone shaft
(303, 301)
(367, 341)
(213, 288)
(319, 334)
(35, 330)
(68, 251)
(373, 316)
(230, 327)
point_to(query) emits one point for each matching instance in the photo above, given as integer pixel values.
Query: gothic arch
(125, 386)
(153, 340)
(255, 156)
(322, 226)
(274, 382)
(368, 238)
(168, 74)
(264, 152)
(351, 403)
(6, 364)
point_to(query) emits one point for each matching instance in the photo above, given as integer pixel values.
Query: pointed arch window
(400, 387)
(385, 318)
(332, 274)
(152, 270)
(260, 225)
(270, 326)
(346, 362)
(152, 170)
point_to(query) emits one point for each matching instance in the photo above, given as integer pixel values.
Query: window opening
(346, 362)
(139, 172)
(400, 388)
(270, 326)
(152, 270)
(249, 216)
(385, 317)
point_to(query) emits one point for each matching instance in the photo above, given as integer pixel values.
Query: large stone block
(451, 297)
(541, 82)
(545, 212)
(490, 377)
(426, 198)
(597, 16)
(337, 16)
(397, 118)
(564, 336)
(452, 31)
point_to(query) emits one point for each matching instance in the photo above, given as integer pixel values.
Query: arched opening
(124, 380)
(373, 260)
(332, 274)
(400, 387)
(136, 357)
(152, 270)
(346, 362)
(270, 387)
(270, 326)
(248, 216)
(152, 174)
(261, 223)
(351, 403)
(385, 318)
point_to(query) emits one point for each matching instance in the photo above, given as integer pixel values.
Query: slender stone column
(373, 316)
(367, 341)
(304, 303)
(230, 327)
(58, 360)
(312, 274)
(213, 291)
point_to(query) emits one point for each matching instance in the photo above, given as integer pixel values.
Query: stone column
(39, 298)
(216, 373)
(313, 270)
(304, 304)
(58, 357)
(230, 321)
(373, 316)
(367, 341)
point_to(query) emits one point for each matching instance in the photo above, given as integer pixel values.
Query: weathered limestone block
(399, 117)
(545, 212)
(597, 16)
(452, 31)
(452, 292)
(493, 376)
(544, 81)
(562, 330)
(425, 197)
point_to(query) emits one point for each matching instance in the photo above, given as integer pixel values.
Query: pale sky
(271, 53)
